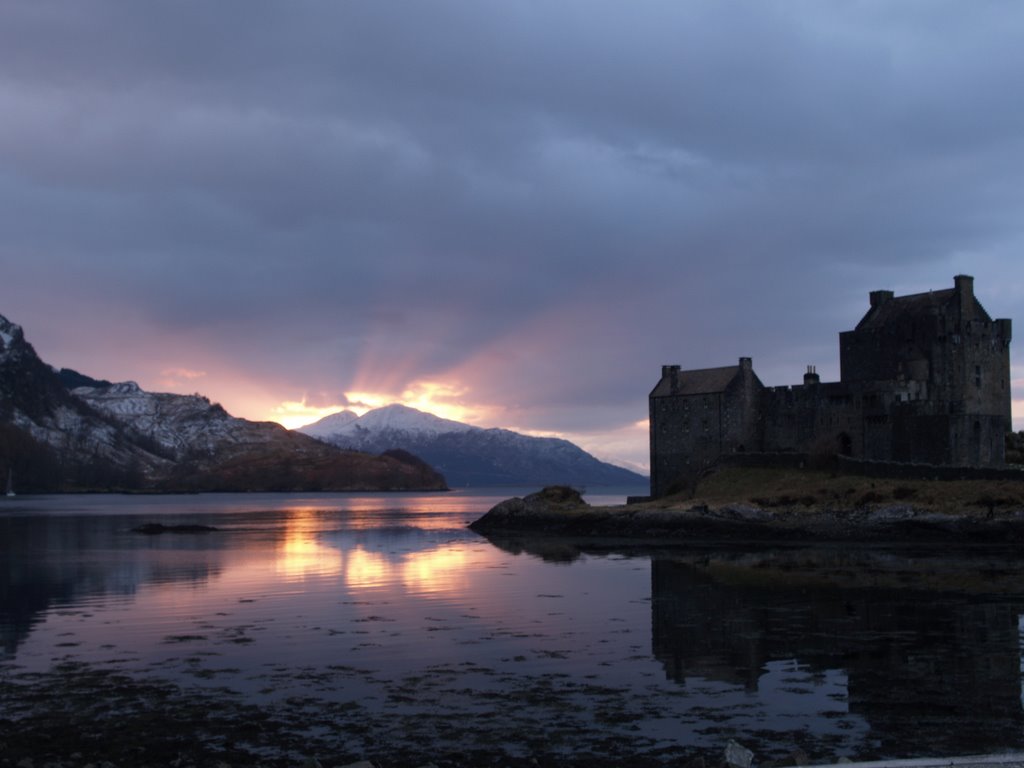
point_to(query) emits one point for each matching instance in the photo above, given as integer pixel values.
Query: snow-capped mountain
(329, 425)
(467, 455)
(62, 430)
(381, 421)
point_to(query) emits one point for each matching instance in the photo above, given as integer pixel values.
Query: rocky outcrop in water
(553, 511)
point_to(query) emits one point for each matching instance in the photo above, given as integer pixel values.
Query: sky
(509, 213)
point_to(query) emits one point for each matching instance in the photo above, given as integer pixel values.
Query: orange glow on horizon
(292, 414)
(442, 399)
(438, 398)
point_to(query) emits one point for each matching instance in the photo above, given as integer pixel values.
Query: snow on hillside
(9, 332)
(176, 422)
(390, 418)
(329, 425)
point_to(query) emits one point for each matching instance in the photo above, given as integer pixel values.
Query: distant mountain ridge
(62, 430)
(390, 418)
(467, 455)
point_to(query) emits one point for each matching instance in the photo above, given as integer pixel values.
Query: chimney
(672, 373)
(964, 284)
(964, 287)
(878, 298)
(811, 377)
(746, 364)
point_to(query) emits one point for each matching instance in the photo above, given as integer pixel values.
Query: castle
(923, 378)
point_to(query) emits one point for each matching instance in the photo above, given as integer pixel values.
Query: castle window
(977, 375)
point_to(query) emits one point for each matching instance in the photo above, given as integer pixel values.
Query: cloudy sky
(511, 213)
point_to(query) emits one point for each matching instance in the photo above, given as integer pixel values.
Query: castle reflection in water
(928, 646)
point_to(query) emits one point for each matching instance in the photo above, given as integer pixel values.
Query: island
(762, 504)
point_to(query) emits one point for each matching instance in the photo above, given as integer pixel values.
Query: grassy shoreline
(819, 490)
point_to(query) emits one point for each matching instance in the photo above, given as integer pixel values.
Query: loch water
(410, 631)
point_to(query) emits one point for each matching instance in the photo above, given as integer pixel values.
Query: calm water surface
(387, 605)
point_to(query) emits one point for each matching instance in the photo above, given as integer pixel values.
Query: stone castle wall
(924, 379)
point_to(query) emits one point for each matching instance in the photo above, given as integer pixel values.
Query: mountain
(62, 430)
(468, 455)
(391, 419)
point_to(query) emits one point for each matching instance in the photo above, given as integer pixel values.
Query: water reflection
(939, 666)
(61, 561)
(300, 553)
(366, 570)
(919, 648)
(436, 571)
(71, 550)
(867, 653)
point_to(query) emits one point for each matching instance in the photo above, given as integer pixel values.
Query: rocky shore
(561, 511)
(80, 716)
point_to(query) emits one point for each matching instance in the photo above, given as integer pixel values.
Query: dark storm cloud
(513, 191)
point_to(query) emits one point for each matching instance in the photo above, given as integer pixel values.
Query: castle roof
(887, 309)
(698, 382)
(902, 307)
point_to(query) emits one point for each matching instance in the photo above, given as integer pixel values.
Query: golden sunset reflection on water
(431, 571)
(436, 570)
(432, 512)
(365, 570)
(302, 555)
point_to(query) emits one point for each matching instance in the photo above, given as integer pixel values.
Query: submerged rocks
(155, 528)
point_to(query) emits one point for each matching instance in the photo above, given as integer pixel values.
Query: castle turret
(1004, 328)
